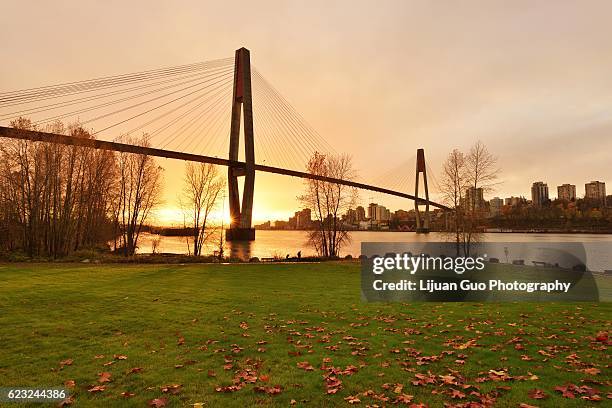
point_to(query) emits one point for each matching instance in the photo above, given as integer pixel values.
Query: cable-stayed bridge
(188, 111)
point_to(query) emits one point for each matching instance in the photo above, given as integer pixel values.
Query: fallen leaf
(352, 399)
(158, 402)
(104, 377)
(67, 362)
(537, 393)
(66, 402)
(171, 389)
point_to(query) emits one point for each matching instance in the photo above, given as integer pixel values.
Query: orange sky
(530, 79)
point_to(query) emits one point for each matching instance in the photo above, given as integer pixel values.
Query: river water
(270, 244)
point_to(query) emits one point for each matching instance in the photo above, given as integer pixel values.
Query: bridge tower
(422, 225)
(242, 105)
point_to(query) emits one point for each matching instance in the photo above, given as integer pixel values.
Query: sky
(377, 79)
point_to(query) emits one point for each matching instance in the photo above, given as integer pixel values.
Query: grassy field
(285, 334)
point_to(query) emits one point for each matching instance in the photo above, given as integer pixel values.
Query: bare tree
(463, 176)
(452, 185)
(482, 173)
(327, 201)
(201, 193)
(53, 198)
(138, 193)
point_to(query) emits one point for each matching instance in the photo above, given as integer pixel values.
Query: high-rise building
(382, 213)
(539, 193)
(566, 192)
(372, 211)
(595, 191)
(495, 206)
(360, 212)
(303, 219)
(378, 213)
(474, 199)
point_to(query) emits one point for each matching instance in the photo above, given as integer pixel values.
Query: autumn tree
(139, 180)
(203, 185)
(327, 201)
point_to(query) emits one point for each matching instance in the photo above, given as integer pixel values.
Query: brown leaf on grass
(305, 365)
(66, 402)
(602, 336)
(67, 362)
(180, 341)
(352, 399)
(104, 377)
(127, 394)
(158, 402)
(537, 393)
(565, 392)
(108, 364)
(404, 399)
(171, 389)
(135, 370)
(448, 379)
(264, 378)
(96, 388)
(229, 388)
(591, 371)
(277, 389)
(211, 373)
(244, 325)
(69, 383)
(457, 394)
(120, 357)
(523, 405)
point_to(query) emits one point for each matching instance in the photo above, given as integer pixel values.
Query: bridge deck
(122, 147)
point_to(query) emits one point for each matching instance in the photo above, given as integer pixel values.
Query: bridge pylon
(242, 110)
(422, 220)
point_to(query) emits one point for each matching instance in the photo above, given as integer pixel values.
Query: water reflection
(240, 249)
(269, 244)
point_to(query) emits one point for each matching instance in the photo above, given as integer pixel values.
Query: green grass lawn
(302, 327)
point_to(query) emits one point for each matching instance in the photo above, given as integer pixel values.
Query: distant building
(382, 213)
(372, 211)
(282, 225)
(566, 192)
(539, 194)
(401, 215)
(360, 212)
(350, 217)
(514, 201)
(378, 214)
(265, 226)
(595, 191)
(495, 206)
(474, 199)
(303, 219)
